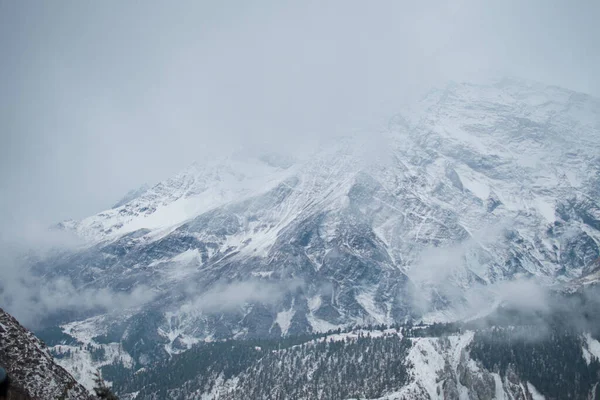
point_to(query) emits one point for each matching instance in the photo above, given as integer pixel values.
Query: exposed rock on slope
(31, 368)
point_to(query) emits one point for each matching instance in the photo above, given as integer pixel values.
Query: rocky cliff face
(31, 368)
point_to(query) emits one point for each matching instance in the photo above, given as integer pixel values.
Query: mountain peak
(482, 185)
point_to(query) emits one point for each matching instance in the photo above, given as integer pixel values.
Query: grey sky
(99, 97)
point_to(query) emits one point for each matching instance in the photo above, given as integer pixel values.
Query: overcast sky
(98, 97)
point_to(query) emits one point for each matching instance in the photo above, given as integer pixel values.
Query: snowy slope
(443, 369)
(193, 191)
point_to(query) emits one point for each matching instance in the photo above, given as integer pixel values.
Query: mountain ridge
(475, 190)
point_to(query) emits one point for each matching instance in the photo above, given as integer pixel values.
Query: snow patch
(546, 209)
(593, 346)
(81, 364)
(535, 395)
(314, 303)
(367, 301)
(320, 325)
(187, 256)
(474, 183)
(284, 319)
(262, 274)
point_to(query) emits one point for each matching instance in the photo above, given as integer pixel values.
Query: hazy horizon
(99, 98)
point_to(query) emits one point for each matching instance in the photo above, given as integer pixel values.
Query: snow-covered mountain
(476, 185)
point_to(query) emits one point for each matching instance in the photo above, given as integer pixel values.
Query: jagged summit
(132, 195)
(194, 190)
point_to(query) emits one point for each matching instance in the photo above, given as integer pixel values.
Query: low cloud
(523, 294)
(32, 298)
(521, 300)
(436, 265)
(225, 297)
(443, 276)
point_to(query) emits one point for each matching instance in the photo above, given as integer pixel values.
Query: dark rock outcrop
(30, 367)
